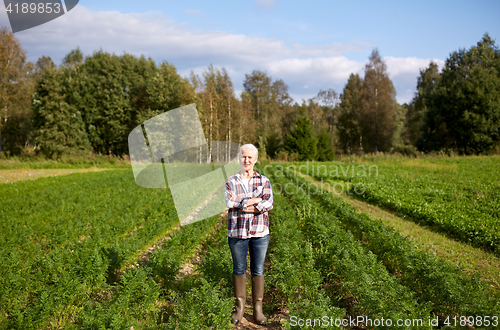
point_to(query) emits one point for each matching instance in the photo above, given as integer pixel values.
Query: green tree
(270, 101)
(211, 103)
(117, 93)
(399, 125)
(223, 116)
(73, 58)
(315, 113)
(167, 90)
(301, 138)
(258, 85)
(464, 112)
(137, 74)
(228, 109)
(44, 63)
(106, 105)
(95, 104)
(418, 107)
(281, 96)
(325, 149)
(273, 144)
(262, 149)
(17, 80)
(244, 121)
(59, 126)
(379, 106)
(348, 129)
(329, 100)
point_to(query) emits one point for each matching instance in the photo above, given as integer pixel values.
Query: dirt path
(7, 176)
(471, 258)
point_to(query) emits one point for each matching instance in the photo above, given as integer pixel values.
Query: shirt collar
(255, 175)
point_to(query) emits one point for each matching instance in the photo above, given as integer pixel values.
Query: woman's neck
(246, 174)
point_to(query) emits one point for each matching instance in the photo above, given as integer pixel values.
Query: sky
(311, 46)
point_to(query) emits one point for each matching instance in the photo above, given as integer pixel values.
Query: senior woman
(249, 198)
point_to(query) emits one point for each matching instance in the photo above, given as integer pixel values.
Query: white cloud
(320, 69)
(332, 72)
(154, 35)
(404, 73)
(151, 34)
(409, 65)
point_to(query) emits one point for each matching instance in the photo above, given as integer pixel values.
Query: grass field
(95, 251)
(13, 175)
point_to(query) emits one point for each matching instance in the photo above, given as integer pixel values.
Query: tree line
(458, 108)
(91, 103)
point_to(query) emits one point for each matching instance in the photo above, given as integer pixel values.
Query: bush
(285, 156)
(406, 149)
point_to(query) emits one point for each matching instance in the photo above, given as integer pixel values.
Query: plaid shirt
(241, 224)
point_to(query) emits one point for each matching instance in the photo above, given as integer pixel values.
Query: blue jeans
(239, 249)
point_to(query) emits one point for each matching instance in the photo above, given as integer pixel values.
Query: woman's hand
(251, 209)
(252, 201)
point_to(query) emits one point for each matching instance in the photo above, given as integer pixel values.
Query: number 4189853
(40, 8)
(472, 321)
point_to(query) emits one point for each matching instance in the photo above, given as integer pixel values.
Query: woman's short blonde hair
(246, 146)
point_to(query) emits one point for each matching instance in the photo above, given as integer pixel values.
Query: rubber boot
(240, 292)
(257, 297)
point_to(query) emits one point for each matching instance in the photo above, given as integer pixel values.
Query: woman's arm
(231, 196)
(255, 200)
(266, 204)
(251, 209)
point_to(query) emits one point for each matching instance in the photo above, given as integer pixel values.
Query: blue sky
(311, 46)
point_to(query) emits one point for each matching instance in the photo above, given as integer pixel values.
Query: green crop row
(77, 283)
(191, 194)
(355, 277)
(65, 238)
(203, 300)
(208, 302)
(51, 213)
(434, 280)
(150, 295)
(460, 199)
(299, 286)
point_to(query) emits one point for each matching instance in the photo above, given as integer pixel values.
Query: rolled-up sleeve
(230, 195)
(267, 203)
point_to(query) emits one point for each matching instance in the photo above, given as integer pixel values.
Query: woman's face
(248, 159)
